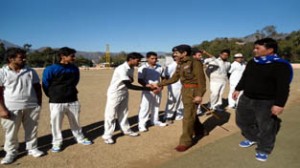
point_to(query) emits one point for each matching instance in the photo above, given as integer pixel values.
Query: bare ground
(151, 149)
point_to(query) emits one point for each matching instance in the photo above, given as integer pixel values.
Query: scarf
(271, 59)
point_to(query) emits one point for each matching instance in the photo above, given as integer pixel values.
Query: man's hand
(197, 100)
(276, 110)
(157, 90)
(235, 95)
(4, 114)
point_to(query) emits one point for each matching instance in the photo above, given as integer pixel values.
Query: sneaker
(85, 141)
(132, 134)
(35, 153)
(178, 118)
(8, 159)
(246, 143)
(261, 157)
(143, 129)
(56, 148)
(109, 141)
(160, 124)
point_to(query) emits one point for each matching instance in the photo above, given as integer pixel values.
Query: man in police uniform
(190, 72)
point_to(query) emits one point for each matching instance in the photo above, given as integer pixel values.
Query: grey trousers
(255, 119)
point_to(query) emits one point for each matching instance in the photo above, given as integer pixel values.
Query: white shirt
(150, 74)
(18, 87)
(236, 71)
(121, 73)
(169, 71)
(220, 75)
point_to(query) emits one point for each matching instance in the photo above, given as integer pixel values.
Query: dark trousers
(255, 119)
(191, 124)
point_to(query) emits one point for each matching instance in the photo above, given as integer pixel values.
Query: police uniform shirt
(189, 71)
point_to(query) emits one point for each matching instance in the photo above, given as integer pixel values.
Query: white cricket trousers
(116, 106)
(29, 118)
(231, 102)
(174, 104)
(149, 105)
(217, 90)
(58, 110)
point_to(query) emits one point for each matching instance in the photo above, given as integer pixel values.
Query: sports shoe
(143, 129)
(160, 124)
(109, 141)
(261, 157)
(8, 159)
(178, 118)
(35, 153)
(56, 148)
(246, 143)
(132, 134)
(85, 141)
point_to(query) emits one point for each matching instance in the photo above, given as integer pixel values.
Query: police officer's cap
(182, 48)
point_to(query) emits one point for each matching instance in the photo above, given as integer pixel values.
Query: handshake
(154, 88)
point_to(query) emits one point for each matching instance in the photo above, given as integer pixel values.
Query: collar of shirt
(127, 66)
(21, 70)
(149, 66)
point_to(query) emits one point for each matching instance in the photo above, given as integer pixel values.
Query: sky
(139, 25)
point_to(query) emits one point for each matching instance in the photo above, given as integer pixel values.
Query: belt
(190, 85)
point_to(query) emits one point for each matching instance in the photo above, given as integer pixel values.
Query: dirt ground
(150, 149)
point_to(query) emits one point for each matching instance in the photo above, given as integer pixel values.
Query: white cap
(238, 55)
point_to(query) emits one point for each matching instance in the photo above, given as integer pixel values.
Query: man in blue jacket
(59, 84)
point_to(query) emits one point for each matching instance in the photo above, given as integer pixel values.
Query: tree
(27, 47)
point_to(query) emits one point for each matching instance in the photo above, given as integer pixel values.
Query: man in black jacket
(59, 84)
(266, 83)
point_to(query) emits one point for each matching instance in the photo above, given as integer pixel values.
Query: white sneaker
(143, 129)
(132, 134)
(178, 118)
(8, 159)
(85, 141)
(109, 141)
(35, 152)
(56, 148)
(160, 124)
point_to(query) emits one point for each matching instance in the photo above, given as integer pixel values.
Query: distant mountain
(8, 44)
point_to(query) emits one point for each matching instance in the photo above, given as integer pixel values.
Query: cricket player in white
(20, 103)
(174, 106)
(150, 73)
(218, 78)
(236, 71)
(117, 98)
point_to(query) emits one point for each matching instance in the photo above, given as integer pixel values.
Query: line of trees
(289, 48)
(289, 44)
(43, 57)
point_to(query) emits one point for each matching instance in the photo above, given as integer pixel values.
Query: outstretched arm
(129, 85)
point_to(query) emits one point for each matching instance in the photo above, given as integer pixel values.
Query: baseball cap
(182, 47)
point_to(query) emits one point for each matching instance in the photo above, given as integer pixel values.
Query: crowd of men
(258, 92)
